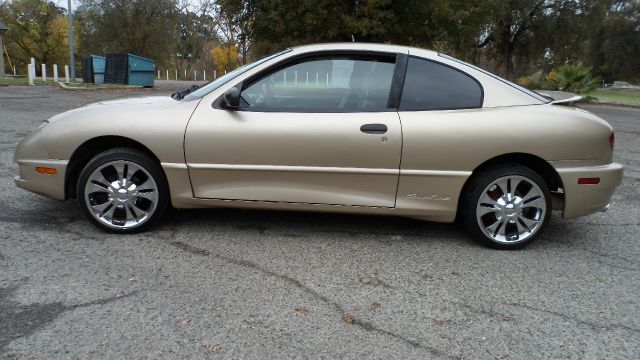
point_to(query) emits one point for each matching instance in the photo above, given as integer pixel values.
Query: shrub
(523, 80)
(551, 80)
(573, 78)
(529, 82)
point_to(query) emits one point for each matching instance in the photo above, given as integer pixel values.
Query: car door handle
(373, 128)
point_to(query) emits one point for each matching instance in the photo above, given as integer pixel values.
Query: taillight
(612, 140)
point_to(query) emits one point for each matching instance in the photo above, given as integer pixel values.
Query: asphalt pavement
(226, 283)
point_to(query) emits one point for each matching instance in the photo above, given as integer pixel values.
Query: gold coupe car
(358, 128)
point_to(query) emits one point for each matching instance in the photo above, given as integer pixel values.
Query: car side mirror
(231, 99)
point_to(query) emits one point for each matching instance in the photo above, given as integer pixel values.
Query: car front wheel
(507, 208)
(122, 191)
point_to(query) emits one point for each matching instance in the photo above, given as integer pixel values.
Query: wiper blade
(180, 94)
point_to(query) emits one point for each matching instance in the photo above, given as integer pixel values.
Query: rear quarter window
(429, 85)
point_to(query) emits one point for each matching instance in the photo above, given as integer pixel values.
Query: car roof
(364, 47)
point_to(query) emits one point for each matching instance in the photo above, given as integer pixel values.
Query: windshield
(209, 87)
(533, 94)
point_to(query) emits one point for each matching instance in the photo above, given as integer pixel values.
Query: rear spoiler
(568, 101)
(560, 97)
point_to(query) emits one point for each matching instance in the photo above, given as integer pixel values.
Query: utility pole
(3, 29)
(71, 57)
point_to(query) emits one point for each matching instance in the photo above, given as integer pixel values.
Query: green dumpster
(93, 69)
(141, 71)
(123, 68)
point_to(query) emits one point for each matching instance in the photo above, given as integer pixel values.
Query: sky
(63, 3)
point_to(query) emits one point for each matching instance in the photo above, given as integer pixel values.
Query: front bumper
(48, 185)
(581, 200)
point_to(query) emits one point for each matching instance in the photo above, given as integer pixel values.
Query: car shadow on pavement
(48, 215)
(323, 225)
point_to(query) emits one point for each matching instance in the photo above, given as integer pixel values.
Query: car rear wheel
(122, 191)
(507, 208)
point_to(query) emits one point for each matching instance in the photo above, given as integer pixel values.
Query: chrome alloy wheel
(511, 209)
(121, 194)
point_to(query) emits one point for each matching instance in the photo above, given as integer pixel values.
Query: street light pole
(72, 59)
(3, 29)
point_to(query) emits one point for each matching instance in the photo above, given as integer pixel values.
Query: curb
(598, 103)
(97, 87)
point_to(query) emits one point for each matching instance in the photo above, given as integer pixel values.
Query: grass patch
(23, 81)
(617, 97)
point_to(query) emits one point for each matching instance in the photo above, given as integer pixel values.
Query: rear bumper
(581, 200)
(48, 185)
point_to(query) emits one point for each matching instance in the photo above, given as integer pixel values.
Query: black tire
(137, 160)
(471, 204)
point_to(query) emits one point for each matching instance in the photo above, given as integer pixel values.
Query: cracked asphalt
(260, 284)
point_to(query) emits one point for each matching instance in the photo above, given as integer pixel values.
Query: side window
(323, 84)
(432, 86)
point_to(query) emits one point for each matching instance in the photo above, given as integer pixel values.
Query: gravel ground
(259, 284)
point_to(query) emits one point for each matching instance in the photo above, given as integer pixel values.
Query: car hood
(149, 100)
(121, 106)
(157, 122)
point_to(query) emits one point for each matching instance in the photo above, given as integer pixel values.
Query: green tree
(36, 29)
(615, 49)
(510, 28)
(278, 23)
(196, 36)
(235, 23)
(281, 23)
(515, 38)
(142, 27)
